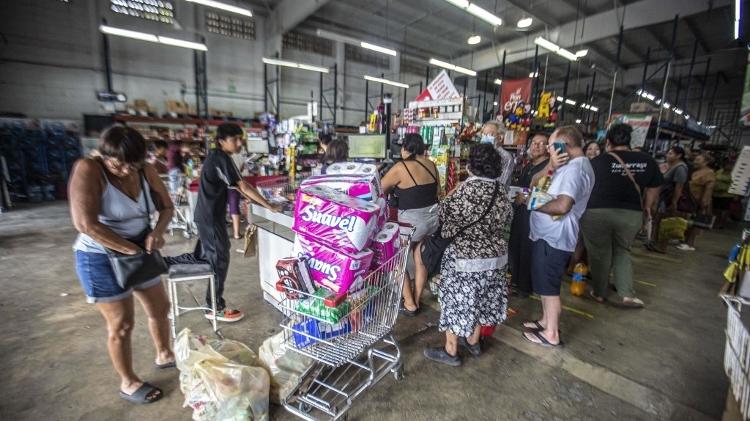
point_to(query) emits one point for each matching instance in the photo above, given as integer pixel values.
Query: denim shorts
(548, 266)
(98, 279)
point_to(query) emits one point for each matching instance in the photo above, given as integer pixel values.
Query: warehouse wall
(51, 65)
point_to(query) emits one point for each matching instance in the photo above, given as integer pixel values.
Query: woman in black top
(414, 180)
(519, 249)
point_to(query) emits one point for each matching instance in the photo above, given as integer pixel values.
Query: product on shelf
(330, 268)
(339, 221)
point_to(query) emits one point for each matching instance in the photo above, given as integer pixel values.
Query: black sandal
(141, 395)
(164, 366)
(542, 340)
(537, 325)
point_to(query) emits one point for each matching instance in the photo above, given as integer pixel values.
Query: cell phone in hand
(560, 146)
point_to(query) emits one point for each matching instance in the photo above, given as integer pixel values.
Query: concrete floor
(663, 362)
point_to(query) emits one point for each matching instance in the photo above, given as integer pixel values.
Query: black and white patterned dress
(473, 282)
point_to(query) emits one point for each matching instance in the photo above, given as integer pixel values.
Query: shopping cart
(182, 219)
(352, 354)
(737, 352)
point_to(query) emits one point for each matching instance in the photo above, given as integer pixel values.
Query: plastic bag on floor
(217, 387)
(673, 229)
(285, 367)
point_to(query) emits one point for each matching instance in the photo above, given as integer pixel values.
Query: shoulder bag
(434, 246)
(630, 176)
(131, 270)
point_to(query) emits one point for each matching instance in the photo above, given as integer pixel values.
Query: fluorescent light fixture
(494, 103)
(582, 53)
(223, 6)
(570, 102)
(534, 74)
(678, 111)
(546, 44)
(687, 117)
(578, 121)
(498, 82)
(450, 66)
(650, 97)
(109, 30)
(477, 11)
(524, 23)
(667, 105)
(386, 82)
(474, 40)
(313, 68)
(658, 101)
(700, 123)
(567, 54)
(639, 92)
(737, 17)
(560, 98)
(275, 62)
(595, 109)
(181, 43)
(378, 48)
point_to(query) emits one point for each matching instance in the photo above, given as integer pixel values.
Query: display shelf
(447, 122)
(169, 121)
(436, 103)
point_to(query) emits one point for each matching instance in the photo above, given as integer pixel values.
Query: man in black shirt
(615, 213)
(218, 175)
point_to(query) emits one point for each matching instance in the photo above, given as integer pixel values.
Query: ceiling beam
(640, 14)
(290, 13)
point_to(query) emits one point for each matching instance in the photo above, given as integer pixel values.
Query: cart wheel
(398, 373)
(304, 407)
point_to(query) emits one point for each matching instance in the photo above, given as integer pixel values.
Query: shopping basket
(737, 353)
(352, 353)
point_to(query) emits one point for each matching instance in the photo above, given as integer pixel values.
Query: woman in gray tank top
(109, 206)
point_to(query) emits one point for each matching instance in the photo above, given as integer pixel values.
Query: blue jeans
(98, 280)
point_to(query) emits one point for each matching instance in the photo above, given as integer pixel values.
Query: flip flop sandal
(542, 341)
(595, 297)
(140, 396)
(166, 365)
(537, 325)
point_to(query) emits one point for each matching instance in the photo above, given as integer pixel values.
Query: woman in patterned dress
(473, 284)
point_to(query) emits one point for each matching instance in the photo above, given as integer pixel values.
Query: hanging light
(524, 23)
(582, 53)
(498, 81)
(474, 40)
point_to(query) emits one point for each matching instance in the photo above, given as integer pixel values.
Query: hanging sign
(515, 94)
(745, 109)
(442, 87)
(640, 124)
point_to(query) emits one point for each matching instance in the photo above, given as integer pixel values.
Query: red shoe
(226, 315)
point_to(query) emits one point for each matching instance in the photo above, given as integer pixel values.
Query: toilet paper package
(383, 215)
(338, 221)
(385, 244)
(356, 168)
(360, 186)
(328, 268)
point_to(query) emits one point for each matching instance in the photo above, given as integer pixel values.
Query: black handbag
(131, 270)
(434, 246)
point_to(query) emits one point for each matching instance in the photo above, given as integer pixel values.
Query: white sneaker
(684, 247)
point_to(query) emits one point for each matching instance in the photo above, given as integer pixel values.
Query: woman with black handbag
(111, 198)
(473, 289)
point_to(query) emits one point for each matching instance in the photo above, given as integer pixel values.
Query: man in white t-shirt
(554, 229)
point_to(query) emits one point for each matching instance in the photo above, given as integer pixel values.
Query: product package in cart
(334, 219)
(313, 329)
(293, 276)
(360, 186)
(348, 168)
(336, 271)
(385, 244)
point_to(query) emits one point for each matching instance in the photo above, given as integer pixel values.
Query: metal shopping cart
(353, 353)
(184, 204)
(737, 352)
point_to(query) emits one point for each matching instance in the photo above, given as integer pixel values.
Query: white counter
(275, 241)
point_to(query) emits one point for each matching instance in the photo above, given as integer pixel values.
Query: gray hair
(498, 125)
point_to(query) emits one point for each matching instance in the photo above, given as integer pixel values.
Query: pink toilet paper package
(331, 269)
(360, 186)
(385, 244)
(338, 221)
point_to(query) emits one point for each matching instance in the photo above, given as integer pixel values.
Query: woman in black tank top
(414, 181)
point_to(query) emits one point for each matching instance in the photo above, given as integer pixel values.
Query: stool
(190, 273)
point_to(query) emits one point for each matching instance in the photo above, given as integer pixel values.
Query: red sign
(514, 94)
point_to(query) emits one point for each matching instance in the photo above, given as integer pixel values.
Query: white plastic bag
(285, 367)
(218, 381)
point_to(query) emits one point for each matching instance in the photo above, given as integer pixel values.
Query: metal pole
(484, 94)
(703, 89)
(565, 95)
(107, 59)
(205, 78)
(382, 75)
(690, 75)
(612, 95)
(661, 108)
(645, 70)
(619, 48)
(535, 71)
(500, 87)
(590, 99)
(367, 97)
(335, 92)
(320, 99)
(677, 92)
(265, 87)
(426, 76)
(406, 90)
(583, 113)
(278, 90)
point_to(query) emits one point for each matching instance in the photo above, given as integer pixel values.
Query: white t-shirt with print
(576, 180)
